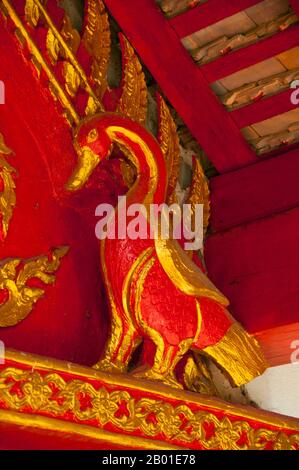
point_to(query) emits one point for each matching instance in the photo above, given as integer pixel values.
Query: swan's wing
(184, 274)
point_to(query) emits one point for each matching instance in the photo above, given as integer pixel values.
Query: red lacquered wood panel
(254, 192)
(256, 266)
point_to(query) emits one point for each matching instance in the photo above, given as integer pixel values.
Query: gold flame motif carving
(170, 146)
(200, 194)
(96, 39)
(19, 297)
(133, 102)
(7, 192)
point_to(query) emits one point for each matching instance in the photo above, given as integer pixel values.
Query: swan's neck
(146, 155)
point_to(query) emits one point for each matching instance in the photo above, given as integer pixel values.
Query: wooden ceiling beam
(242, 58)
(207, 14)
(295, 5)
(182, 82)
(266, 108)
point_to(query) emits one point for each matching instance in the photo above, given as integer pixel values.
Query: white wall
(277, 390)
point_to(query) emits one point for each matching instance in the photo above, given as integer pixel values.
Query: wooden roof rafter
(265, 109)
(183, 82)
(250, 55)
(206, 14)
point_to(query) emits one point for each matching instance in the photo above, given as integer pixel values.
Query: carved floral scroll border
(50, 394)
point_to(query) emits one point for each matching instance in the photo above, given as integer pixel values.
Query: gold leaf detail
(70, 35)
(14, 276)
(96, 38)
(92, 107)
(197, 376)
(170, 146)
(133, 101)
(72, 79)
(3, 147)
(148, 417)
(40, 61)
(7, 195)
(200, 194)
(53, 46)
(32, 13)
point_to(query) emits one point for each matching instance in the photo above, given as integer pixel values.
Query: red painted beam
(182, 82)
(256, 266)
(263, 109)
(209, 13)
(247, 56)
(255, 192)
(295, 5)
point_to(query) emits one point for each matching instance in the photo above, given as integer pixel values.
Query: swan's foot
(105, 365)
(155, 376)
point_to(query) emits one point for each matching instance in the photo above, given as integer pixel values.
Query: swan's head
(92, 145)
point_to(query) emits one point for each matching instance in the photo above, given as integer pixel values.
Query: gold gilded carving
(170, 146)
(133, 101)
(150, 417)
(40, 61)
(177, 266)
(97, 41)
(197, 376)
(237, 353)
(71, 37)
(7, 193)
(87, 162)
(14, 276)
(72, 79)
(199, 194)
(53, 46)
(186, 276)
(64, 45)
(66, 48)
(32, 14)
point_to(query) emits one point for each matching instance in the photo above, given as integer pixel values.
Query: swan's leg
(166, 358)
(109, 361)
(129, 343)
(120, 346)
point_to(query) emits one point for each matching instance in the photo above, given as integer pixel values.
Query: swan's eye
(92, 136)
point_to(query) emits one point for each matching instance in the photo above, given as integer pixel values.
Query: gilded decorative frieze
(131, 408)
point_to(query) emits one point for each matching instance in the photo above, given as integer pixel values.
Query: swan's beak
(87, 162)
